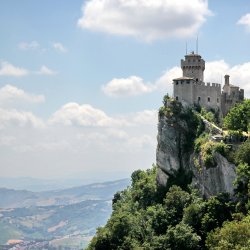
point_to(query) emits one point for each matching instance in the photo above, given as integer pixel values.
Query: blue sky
(81, 81)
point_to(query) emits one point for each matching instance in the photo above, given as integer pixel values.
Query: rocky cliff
(178, 128)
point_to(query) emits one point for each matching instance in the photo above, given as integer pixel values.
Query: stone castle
(190, 89)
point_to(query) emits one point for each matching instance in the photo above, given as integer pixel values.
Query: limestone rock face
(211, 181)
(173, 156)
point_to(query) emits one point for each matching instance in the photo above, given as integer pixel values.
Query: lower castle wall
(184, 92)
(199, 93)
(207, 96)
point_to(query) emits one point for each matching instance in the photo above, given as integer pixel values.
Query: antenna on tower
(197, 45)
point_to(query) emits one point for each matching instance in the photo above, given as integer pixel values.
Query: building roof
(184, 78)
(233, 86)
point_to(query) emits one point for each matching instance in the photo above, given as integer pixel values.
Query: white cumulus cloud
(29, 46)
(131, 86)
(7, 69)
(215, 71)
(59, 47)
(165, 81)
(245, 20)
(83, 115)
(16, 118)
(10, 94)
(145, 117)
(145, 19)
(239, 74)
(44, 70)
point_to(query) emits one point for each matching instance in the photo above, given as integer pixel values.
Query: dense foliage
(141, 219)
(206, 149)
(238, 117)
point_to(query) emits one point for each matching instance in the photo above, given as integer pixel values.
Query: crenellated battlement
(210, 85)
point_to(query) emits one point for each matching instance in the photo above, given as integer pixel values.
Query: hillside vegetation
(149, 217)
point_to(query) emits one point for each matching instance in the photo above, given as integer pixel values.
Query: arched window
(208, 99)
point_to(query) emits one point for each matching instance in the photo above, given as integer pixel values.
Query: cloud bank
(76, 139)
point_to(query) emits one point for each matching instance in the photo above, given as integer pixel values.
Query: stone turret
(226, 80)
(193, 66)
(231, 95)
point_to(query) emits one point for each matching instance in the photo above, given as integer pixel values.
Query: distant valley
(61, 218)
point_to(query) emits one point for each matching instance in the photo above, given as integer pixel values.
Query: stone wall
(192, 92)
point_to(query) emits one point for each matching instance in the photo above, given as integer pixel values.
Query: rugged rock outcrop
(214, 180)
(175, 155)
(172, 155)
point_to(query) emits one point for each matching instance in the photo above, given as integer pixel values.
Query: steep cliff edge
(176, 159)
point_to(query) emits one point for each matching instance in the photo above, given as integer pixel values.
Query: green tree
(232, 235)
(144, 189)
(175, 202)
(238, 117)
(242, 155)
(242, 187)
(182, 237)
(217, 210)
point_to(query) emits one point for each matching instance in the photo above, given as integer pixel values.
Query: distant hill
(39, 185)
(52, 222)
(98, 191)
(61, 217)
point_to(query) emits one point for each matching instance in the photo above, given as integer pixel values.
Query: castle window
(188, 81)
(208, 99)
(177, 82)
(218, 100)
(181, 82)
(176, 98)
(199, 98)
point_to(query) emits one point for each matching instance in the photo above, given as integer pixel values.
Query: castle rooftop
(184, 78)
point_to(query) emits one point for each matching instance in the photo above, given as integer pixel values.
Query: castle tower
(226, 87)
(193, 66)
